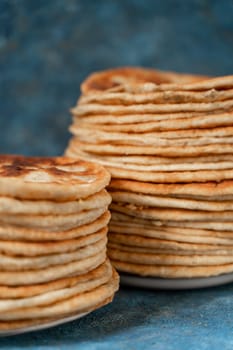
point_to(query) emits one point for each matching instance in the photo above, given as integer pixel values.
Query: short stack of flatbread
(167, 140)
(53, 234)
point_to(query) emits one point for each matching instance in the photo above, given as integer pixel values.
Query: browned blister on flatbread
(114, 78)
(57, 178)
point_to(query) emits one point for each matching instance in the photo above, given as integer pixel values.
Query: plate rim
(132, 280)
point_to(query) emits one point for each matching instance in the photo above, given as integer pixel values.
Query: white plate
(174, 283)
(41, 326)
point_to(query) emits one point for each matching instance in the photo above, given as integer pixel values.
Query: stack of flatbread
(167, 140)
(53, 227)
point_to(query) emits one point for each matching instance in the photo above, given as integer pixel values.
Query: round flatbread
(20, 263)
(115, 78)
(175, 271)
(78, 303)
(143, 80)
(58, 178)
(187, 235)
(140, 199)
(208, 190)
(172, 177)
(9, 205)
(151, 244)
(17, 233)
(29, 277)
(53, 222)
(23, 248)
(179, 151)
(143, 124)
(30, 290)
(173, 214)
(132, 97)
(167, 259)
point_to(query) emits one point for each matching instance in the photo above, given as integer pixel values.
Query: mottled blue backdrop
(48, 46)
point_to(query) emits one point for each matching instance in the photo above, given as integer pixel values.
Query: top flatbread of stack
(144, 80)
(115, 78)
(58, 179)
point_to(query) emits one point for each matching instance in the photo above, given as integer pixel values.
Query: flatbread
(141, 80)
(118, 77)
(186, 235)
(168, 259)
(202, 122)
(140, 199)
(173, 166)
(62, 178)
(131, 97)
(202, 190)
(20, 263)
(205, 225)
(162, 138)
(24, 291)
(149, 108)
(151, 137)
(172, 177)
(96, 137)
(148, 160)
(178, 151)
(161, 244)
(53, 222)
(31, 249)
(122, 119)
(168, 251)
(78, 303)
(210, 225)
(18, 233)
(172, 214)
(29, 277)
(9, 205)
(175, 271)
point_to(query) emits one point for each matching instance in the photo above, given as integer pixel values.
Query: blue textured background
(46, 48)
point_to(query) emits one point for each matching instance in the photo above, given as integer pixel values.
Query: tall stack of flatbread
(53, 227)
(167, 140)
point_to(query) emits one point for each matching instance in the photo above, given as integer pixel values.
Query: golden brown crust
(57, 178)
(112, 78)
(79, 303)
(174, 271)
(27, 234)
(23, 291)
(199, 189)
(18, 166)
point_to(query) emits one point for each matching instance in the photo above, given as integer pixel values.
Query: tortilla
(29, 277)
(17, 233)
(140, 199)
(168, 259)
(62, 178)
(175, 271)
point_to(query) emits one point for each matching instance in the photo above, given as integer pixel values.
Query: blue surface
(46, 48)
